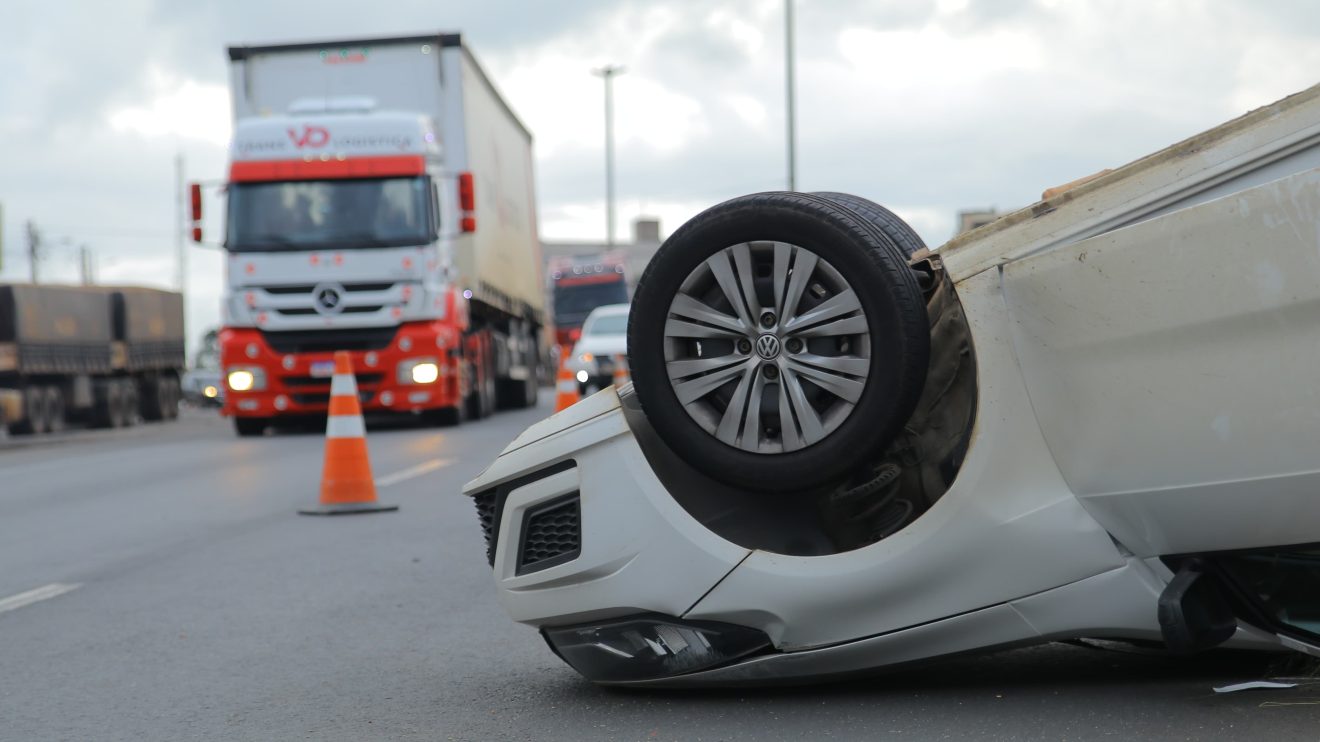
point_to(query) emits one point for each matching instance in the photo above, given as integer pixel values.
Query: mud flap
(1194, 614)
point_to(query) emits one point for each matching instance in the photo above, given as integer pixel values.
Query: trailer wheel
(778, 340)
(55, 409)
(153, 393)
(173, 393)
(128, 398)
(34, 412)
(250, 427)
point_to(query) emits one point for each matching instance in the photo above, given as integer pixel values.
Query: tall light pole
(180, 226)
(788, 85)
(607, 73)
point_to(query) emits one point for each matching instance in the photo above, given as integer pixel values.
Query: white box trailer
(437, 76)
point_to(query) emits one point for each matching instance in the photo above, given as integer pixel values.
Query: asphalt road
(204, 608)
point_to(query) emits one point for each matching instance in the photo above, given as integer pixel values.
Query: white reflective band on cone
(343, 386)
(345, 426)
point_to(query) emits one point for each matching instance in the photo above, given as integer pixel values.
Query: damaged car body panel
(1115, 432)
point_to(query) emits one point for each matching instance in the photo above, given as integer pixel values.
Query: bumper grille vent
(490, 510)
(486, 515)
(552, 534)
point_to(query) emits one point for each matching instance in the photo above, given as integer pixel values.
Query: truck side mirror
(195, 202)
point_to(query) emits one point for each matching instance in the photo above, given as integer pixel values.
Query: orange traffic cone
(621, 373)
(346, 483)
(565, 385)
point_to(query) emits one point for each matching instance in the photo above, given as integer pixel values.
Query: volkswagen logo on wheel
(767, 347)
(328, 298)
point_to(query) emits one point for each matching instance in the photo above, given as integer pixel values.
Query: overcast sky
(926, 107)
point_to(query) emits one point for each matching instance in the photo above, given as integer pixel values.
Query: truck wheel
(153, 394)
(883, 219)
(249, 427)
(55, 409)
(777, 341)
(173, 393)
(34, 412)
(446, 417)
(128, 400)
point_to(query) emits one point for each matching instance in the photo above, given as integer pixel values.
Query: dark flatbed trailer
(105, 356)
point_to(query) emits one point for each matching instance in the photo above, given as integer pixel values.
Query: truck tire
(250, 427)
(152, 393)
(34, 412)
(128, 400)
(777, 341)
(105, 400)
(446, 417)
(55, 409)
(883, 219)
(173, 393)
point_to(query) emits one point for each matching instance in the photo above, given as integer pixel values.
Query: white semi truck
(380, 201)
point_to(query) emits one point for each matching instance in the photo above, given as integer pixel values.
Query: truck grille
(309, 288)
(304, 381)
(552, 534)
(323, 398)
(328, 341)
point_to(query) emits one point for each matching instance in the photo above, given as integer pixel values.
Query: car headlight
(582, 377)
(419, 371)
(210, 392)
(246, 379)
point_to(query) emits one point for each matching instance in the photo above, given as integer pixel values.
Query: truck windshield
(320, 214)
(574, 302)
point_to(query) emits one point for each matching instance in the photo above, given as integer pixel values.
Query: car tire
(849, 353)
(883, 219)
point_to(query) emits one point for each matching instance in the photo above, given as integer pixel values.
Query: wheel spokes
(837, 305)
(686, 306)
(723, 272)
(741, 423)
(803, 414)
(690, 390)
(844, 387)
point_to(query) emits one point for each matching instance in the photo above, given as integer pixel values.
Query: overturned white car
(1096, 417)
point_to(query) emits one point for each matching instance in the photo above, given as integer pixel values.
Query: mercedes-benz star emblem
(767, 347)
(328, 299)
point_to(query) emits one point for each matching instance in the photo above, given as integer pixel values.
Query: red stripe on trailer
(359, 167)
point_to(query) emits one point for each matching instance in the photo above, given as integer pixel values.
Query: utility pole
(180, 225)
(788, 84)
(607, 73)
(34, 249)
(85, 266)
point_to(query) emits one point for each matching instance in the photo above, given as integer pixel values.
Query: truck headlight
(419, 371)
(246, 379)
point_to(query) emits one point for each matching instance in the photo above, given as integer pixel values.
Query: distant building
(972, 218)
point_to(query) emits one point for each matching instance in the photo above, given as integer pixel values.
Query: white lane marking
(413, 472)
(45, 592)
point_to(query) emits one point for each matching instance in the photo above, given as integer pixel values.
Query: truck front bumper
(298, 384)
